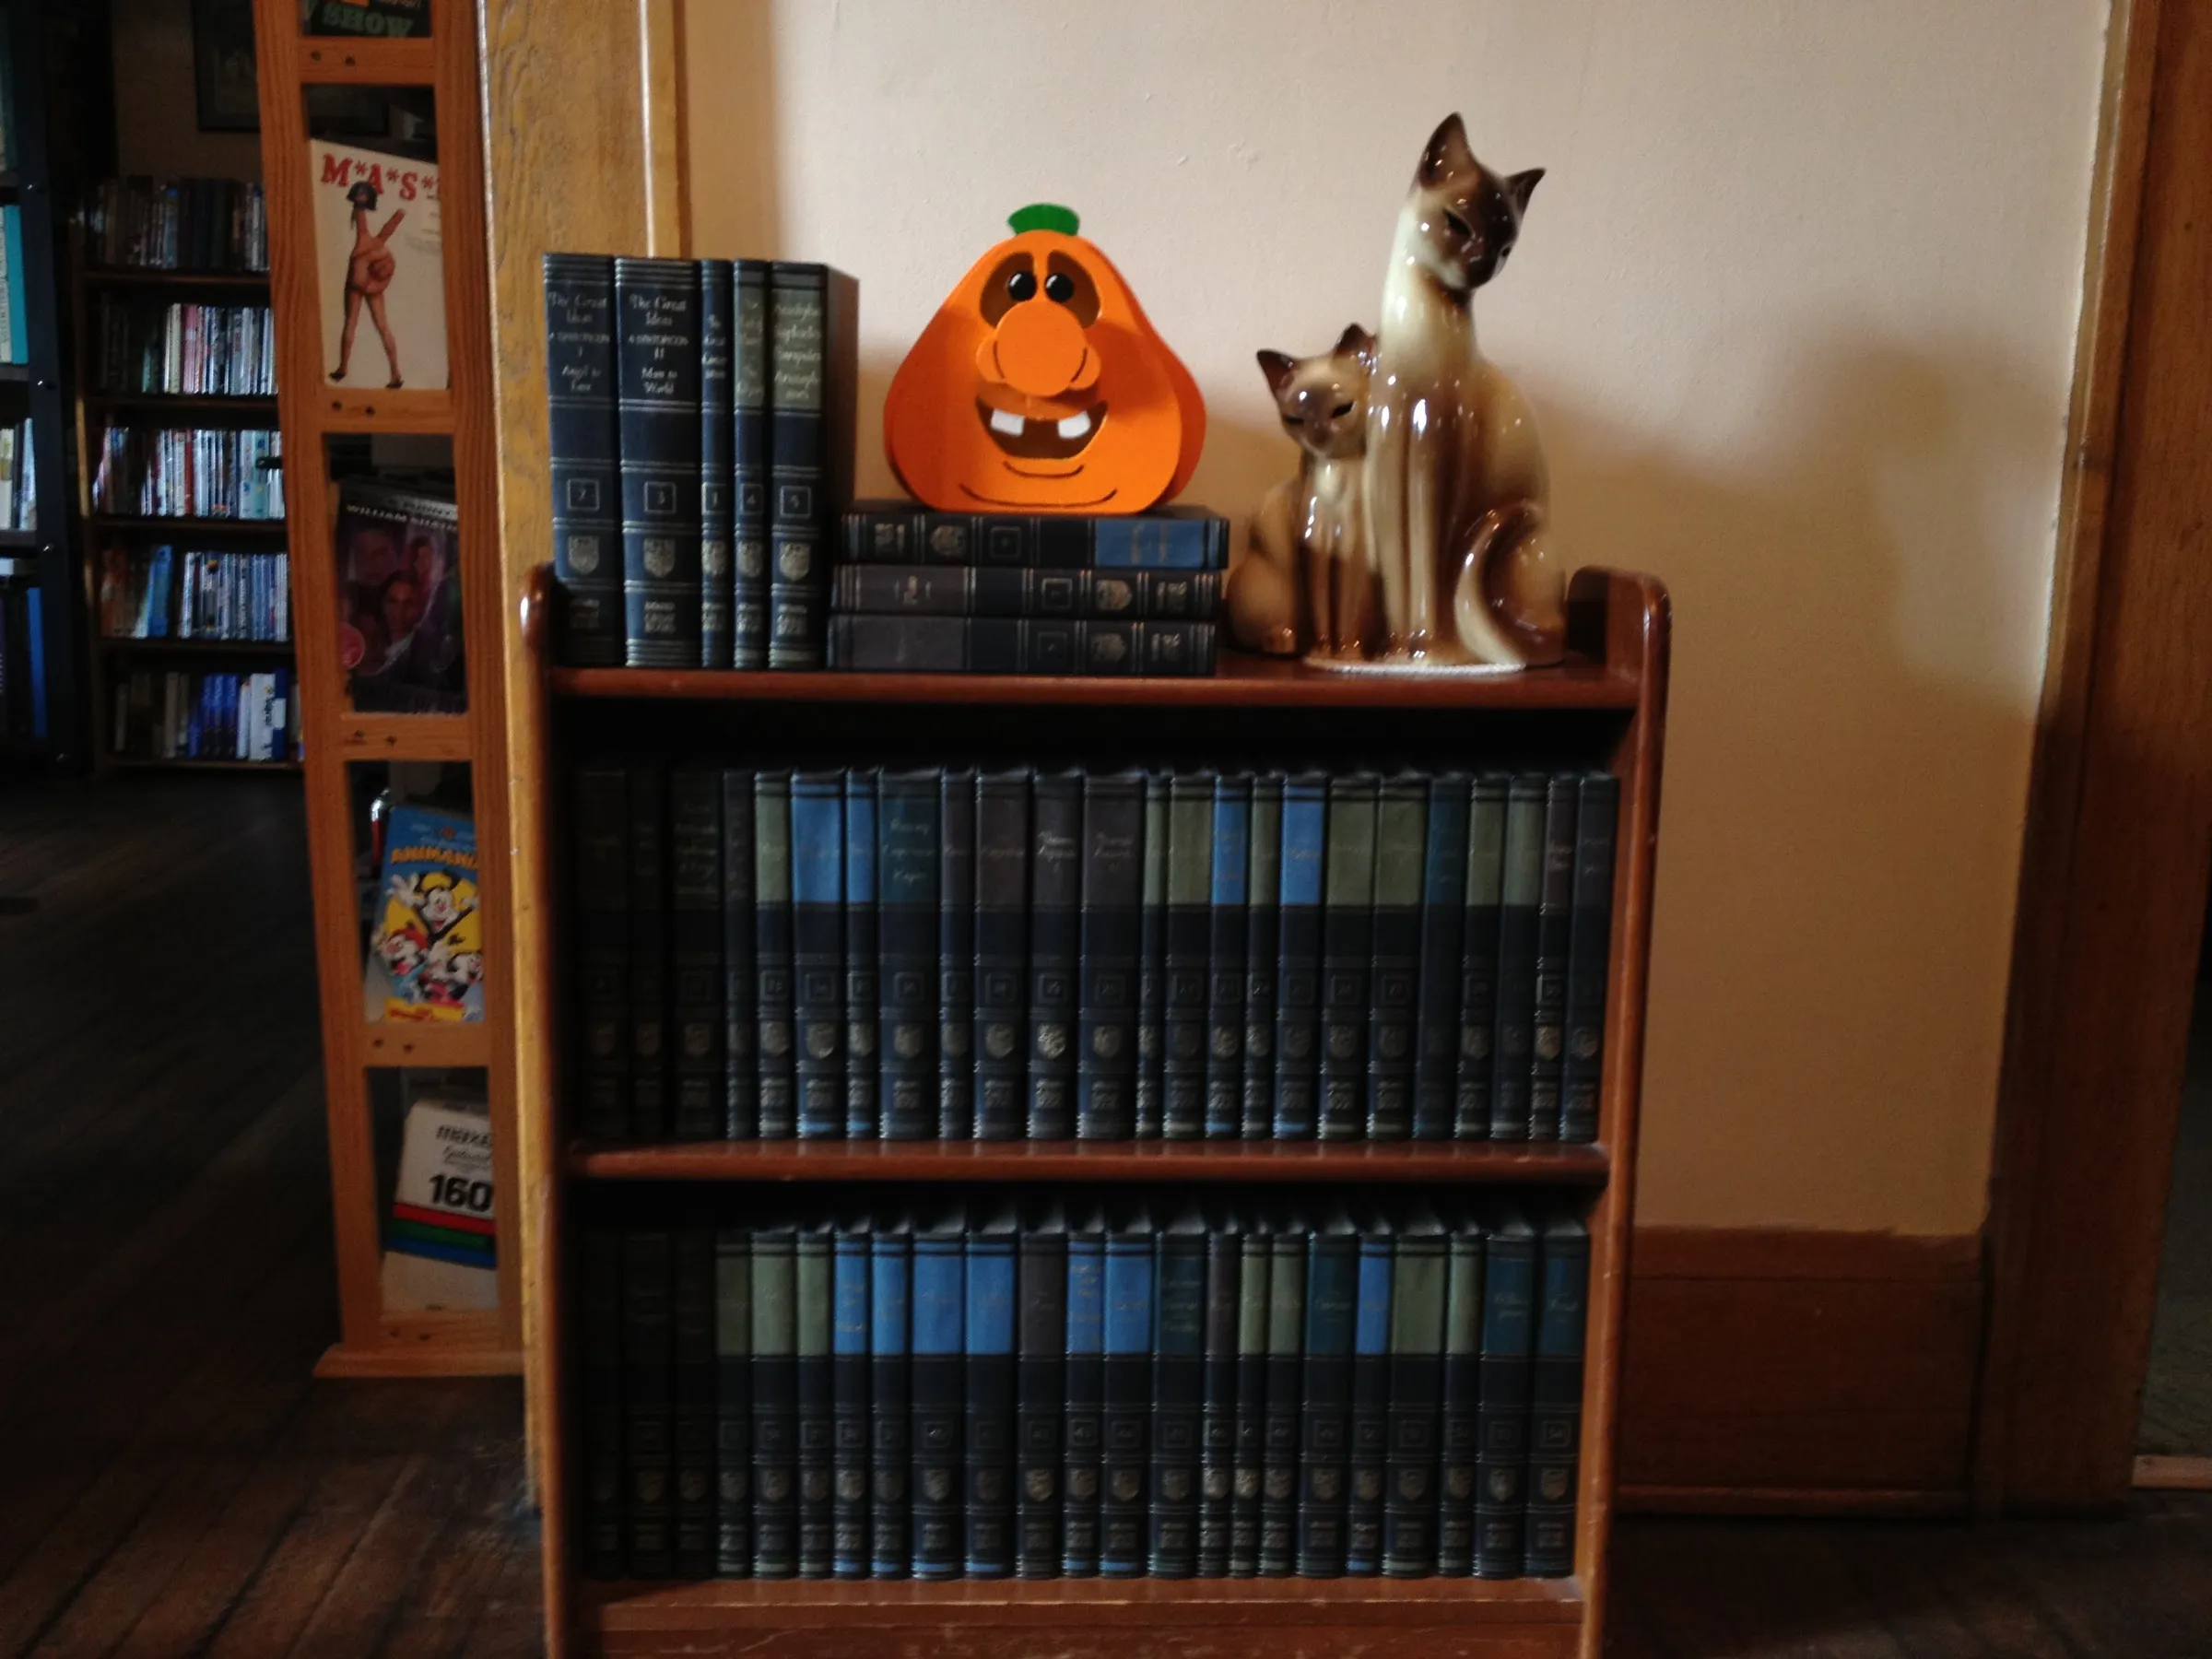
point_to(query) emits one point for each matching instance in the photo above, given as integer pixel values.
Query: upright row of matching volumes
(1094, 955)
(700, 437)
(1062, 1390)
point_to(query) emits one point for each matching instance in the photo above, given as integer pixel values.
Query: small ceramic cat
(1456, 480)
(1306, 585)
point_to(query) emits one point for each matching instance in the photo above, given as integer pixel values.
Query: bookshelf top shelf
(1244, 1161)
(156, 276)
(1242, 682)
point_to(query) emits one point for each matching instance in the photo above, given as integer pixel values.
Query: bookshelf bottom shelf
(1088, 1618)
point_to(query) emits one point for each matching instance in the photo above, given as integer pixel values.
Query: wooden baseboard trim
(1788, 1500)
(1788, 1372)
(2173, 1475)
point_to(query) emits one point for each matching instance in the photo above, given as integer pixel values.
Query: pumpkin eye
(1021, 286)
(1060, 287)
(1459, 226)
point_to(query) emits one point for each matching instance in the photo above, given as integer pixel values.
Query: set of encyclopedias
(999, 955)
(1062, 1390)
(700, 444)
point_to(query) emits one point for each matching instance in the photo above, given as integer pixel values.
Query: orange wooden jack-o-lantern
(1040, 387)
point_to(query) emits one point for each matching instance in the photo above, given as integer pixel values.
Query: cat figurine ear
(1523, 185)
(1354, 341)
(1448, 151)
(1278, 367)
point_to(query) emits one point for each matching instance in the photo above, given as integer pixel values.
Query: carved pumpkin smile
(1004, 400)
(1042, 440)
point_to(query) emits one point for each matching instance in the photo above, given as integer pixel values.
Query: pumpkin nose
(1040, 349)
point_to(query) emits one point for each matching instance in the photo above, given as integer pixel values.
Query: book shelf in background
(41, 712)
(410, 106)
(1604, 706)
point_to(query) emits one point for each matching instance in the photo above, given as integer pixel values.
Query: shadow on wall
(1847, 760)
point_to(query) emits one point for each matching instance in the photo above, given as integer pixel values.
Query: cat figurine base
(1455, 484)
(1306, 585)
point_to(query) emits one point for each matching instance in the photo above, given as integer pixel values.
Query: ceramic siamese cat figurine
(1456, 481)
(1306, 583)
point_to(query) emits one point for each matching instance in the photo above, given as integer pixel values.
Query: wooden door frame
(2119, 821)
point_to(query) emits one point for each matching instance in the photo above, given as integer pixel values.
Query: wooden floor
(171, 1483)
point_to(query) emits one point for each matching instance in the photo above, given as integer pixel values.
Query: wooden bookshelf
(376, 1340)
(1610, 699)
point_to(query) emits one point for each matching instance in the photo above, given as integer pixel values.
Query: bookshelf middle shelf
(1549, 1164)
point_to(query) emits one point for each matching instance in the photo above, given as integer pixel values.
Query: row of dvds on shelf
(178, 224)
(182, 349)
(156, 593)
(188, 472)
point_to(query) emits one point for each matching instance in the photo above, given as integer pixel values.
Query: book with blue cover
(906, 876)
(817, 923)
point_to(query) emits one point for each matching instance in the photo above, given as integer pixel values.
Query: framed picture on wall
(228, 92)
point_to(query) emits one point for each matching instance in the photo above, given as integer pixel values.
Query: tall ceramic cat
(1456, 484)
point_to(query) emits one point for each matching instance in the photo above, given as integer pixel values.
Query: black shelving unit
(41, 556)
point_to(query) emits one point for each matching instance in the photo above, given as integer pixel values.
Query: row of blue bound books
(1058, 1390)
(1052, 955)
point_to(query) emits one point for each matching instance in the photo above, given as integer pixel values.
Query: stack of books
(904, 955)
(986, 592)
(700, 439)
(1062, 1389)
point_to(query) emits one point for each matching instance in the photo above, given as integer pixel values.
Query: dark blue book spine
(1589, 953)
(1125, 1412)
(890, 1281)
(798, 326)
(1225, 964)
(955, 955)
(1458, 1429)
(1002, 920)
(1217, 1398)
(1177, 1386)
(1189, 924)
(906, 873)
(602, 887)
(1443, 930)
(1478, 958)
(1298, 970)
(750, 468)
(1514, 1049)
(656, 353)
(1556, 1398)
(600, 1343)
(716, 505)
(1395, 969)
(740, 999)
(1254, 1288)
(647, 953)
(734, 1403)
(583, 455)
(1112, 876)
(1151, 949)
(1040, 1393)
(862, 1070)
(1085, 1377)
(939, 1302)
(775, 1404)
(1285, 1386)
(817, 835)
(1325, 1402)
(693, 1305)
(1263, 944)
(695, 925)
(1088, 594)
(648, 1359)
(1347, 947)
(1555, 924)
(988, 1536)
(1508, 1346)
(849, 1410)
(813, 1386)
(1369, 1434)
(1174, 539)
(1055, 922)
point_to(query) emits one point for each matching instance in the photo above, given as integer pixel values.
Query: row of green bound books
(1094, 955)
(1065, 1392)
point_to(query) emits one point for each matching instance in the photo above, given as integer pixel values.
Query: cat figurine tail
(1306, 585)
